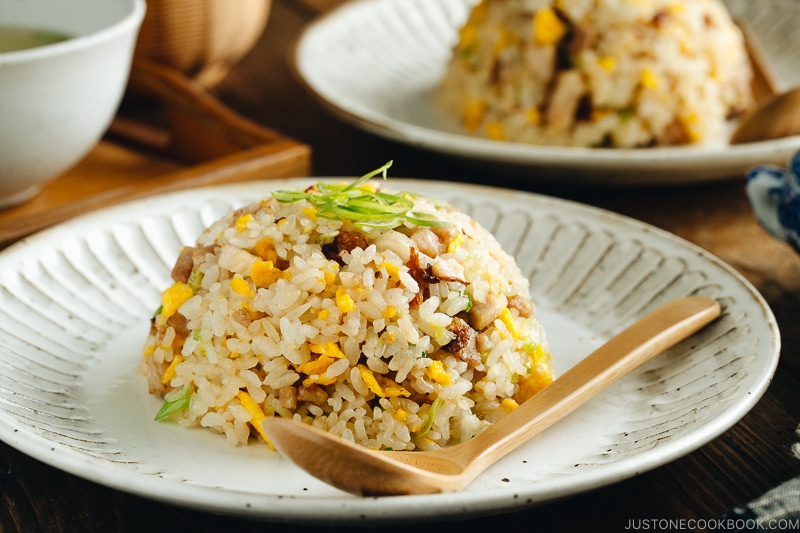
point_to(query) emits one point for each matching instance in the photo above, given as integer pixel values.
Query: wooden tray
(169, 135)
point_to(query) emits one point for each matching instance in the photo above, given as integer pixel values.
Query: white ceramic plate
(75, 303)
(376, 64)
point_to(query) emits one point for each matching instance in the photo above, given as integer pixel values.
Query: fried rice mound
(407, 337)
(599, 73)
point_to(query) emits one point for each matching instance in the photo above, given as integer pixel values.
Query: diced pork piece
(183, 265)
(345, 241)
(422, 275)
(464, 344)
(565, 100)
(155, 371)
(448, 270)
(312, 393)
(242, 316)
(446, 234)
(522, 304)
(179, 324)
(288, 397)
(483, 313)
(428, 242)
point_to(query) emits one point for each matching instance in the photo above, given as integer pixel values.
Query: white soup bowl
(57, 100)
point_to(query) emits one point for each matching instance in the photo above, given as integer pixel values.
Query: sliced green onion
(469, 303)
(425, 219)
(366, 177)
(384, 208)
(174, 401)
(373, 210)
(385, 225)
(437, 403)
(350, 213)
(326, 189)
(288, 197)
(195, 279)
(531, 346)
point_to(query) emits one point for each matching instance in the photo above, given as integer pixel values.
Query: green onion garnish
(203, 345)
(431, 415)
(174, 401)
(469, 301)
(366, 208)
(195, 280)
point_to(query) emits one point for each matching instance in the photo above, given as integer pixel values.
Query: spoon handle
(656, 332)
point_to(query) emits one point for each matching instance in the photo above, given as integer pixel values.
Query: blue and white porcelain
(774, 194)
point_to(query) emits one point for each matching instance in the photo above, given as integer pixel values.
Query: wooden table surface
(747, 460)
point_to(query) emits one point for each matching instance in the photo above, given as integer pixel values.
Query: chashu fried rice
(599, 73)
(411, 331)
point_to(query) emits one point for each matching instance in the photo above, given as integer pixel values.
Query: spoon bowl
(777, 114)
(358, 470)
(777, 117)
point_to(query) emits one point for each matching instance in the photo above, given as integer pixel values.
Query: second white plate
(377, 63)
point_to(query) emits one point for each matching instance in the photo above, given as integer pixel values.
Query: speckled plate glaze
(376, 64)
(75, 304)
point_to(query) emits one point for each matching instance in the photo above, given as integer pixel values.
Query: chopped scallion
(367, 208)
(437, 403)
(195, 279)
(468, 296)
(174, 401)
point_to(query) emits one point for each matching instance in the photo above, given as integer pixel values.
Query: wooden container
(201, 38)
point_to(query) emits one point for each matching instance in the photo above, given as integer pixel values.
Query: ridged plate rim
(68, 423)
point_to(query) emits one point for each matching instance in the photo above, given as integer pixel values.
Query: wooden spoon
(777, 117)
(358, 470)
(777, 113)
